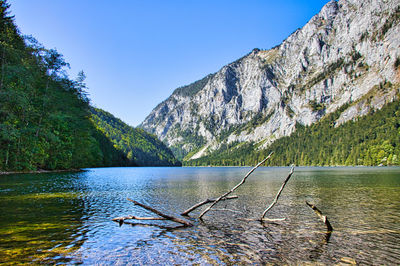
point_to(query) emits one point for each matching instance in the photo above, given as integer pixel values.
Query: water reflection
(67, 217)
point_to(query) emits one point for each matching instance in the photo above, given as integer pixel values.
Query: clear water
(66, 217)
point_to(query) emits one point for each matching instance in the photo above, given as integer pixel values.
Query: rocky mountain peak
(345, 55)
(329, 11)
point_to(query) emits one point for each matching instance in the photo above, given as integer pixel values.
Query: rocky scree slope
(346, 54)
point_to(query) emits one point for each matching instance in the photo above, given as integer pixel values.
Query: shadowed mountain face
(346, 55)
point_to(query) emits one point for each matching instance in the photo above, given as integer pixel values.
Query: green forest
(371, 140)
(140, 147)
(45, 116)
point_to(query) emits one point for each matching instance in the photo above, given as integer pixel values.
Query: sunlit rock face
(345, 56)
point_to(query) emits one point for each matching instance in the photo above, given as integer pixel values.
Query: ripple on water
(66, 218)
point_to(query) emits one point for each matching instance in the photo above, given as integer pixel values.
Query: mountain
(344, 61)
(140, 147)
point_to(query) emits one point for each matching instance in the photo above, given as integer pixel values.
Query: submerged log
(321, 216)
(169, 228)
(278, 194)
(164, 216)
(168, 217)
(186, 213)
(234, 188)
(137, 218)
(121, 220)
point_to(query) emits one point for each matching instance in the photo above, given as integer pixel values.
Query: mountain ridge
(337, 58)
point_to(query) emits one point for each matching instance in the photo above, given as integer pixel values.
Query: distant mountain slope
(140, 147)
(348, 56)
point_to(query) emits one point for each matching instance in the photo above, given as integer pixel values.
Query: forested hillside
(140, 147)
(370, 140)
(45, 116)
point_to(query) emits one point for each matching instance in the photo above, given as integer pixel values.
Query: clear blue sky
(136, 52)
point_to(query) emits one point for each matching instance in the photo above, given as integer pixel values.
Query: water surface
(66, 217)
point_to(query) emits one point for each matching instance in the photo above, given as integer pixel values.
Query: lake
(66, 218)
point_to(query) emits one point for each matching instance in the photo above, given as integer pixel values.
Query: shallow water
(66, 217)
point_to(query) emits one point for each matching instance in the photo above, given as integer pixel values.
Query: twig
(273, 220)
(167, 217)
(279, 193)
(321, 216)
(233, 189)
(186, 213)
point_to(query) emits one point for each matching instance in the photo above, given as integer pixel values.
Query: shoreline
(40, 171)
(201, 166)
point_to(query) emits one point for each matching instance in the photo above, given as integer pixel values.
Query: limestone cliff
(346, 54)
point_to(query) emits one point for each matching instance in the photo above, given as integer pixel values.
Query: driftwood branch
(121, 220)
(137, 218)
(234, 188)
(164, 216)
(321, 216)
(156, 225)
(186, 213)
(279, 193)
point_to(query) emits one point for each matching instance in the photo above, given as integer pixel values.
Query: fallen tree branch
(279, 193)
(186, 213)
(166, 217)
(137, 218)
(234, 188)
(156, 225)
(121, 220)
(321, 216)
(271, 220)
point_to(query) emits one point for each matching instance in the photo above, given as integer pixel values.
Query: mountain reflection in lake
(66, 217)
